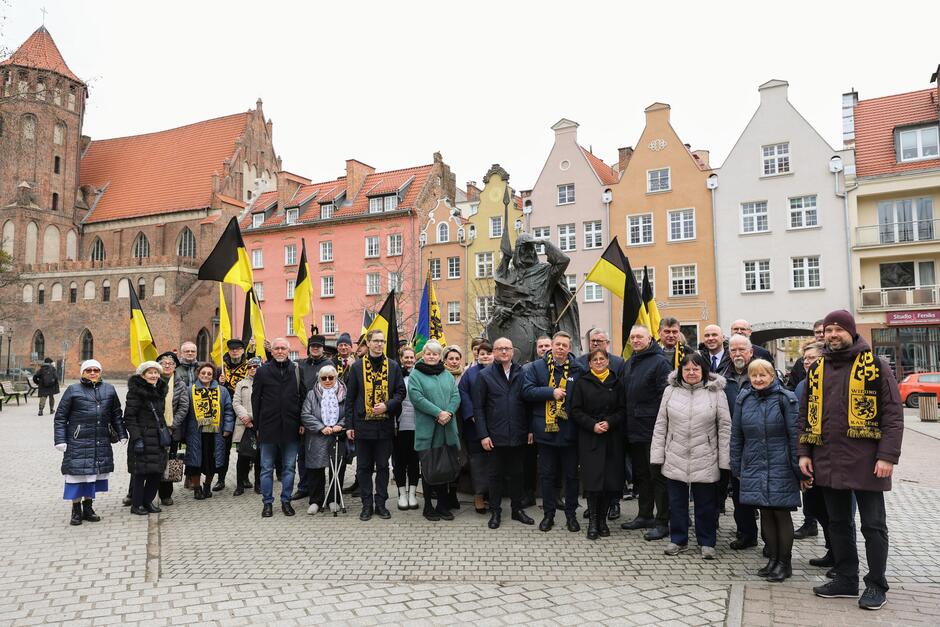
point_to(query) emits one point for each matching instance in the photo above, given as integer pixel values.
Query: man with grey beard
(736, 379)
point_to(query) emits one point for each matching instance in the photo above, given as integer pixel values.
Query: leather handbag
(174, 470)
(248, 445)
(166, 439)
(439, 464)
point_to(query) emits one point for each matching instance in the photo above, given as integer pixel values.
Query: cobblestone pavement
(218, 561)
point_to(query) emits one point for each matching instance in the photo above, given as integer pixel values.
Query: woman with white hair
(146, 427)
(323, 418)
(87, 421)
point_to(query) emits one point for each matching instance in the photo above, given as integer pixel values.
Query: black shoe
(219, 485)
(287, 509)
(267, 511)
(88, 513)
(430, 514)
(779, 571)
(765, 551)
(246, 484)
(592, 533)
(40, 412)
(76, 514)
(826, 561)
(741, 544)
(522, 517)
(836, 589)
(300, 495)
(198, 494)
(382, 512)
(207, 491)
(571, 523)
(257, 489)
(140, 511)
(547, 523)
(656, 533)
(496, 517)
(763, 571)
(872, 599)
(808, 530)
(126, 501)
(639, 523)
(167, 501)
(238, 491)
(614, 512)
(444, 513)
(602, 529)
(153, 509)
(366, 513)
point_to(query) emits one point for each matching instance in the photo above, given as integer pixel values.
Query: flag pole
(573, 297)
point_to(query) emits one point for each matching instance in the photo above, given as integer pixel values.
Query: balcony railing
(900, 298)
(897, 233)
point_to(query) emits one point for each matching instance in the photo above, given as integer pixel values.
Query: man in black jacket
(502, 423)
(309, 375)
(644, 377)
(743, 327)
(598, 338)
(277, 394)
(375, 389)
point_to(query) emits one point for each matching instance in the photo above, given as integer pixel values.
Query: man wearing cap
(234, 369)
(344, 356)
(852, 424)
(309, 375)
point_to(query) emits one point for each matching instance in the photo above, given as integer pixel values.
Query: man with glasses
(375, 389)
(598, 338)
(186, 370)
(798, 371)
(743, 327)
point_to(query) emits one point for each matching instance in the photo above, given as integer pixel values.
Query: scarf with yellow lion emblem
(863, 400)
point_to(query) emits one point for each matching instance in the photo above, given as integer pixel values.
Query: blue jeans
(270, 453)
(706, 512)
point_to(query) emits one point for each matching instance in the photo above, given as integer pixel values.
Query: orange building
(661, 212)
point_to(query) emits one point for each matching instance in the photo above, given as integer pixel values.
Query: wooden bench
(31, 390)
(9, 395)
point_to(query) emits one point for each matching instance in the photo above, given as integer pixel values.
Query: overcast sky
(389, 83)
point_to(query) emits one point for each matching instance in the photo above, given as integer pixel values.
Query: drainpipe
(712, 184)
(835, 166)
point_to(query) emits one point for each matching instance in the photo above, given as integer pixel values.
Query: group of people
(680, 424)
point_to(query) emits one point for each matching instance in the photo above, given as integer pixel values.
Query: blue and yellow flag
(430, 326)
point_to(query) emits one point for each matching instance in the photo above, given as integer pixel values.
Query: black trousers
(505, 464)
(556, 462)
(743, 514)
(228, 453)
(814, 508)
(776, 526)
(405, 463)
(372, 456)
(144, 488)
(871, 508)
(243, 466)
(650, 485)
(530, 472)
(166, 487)
(301, 480)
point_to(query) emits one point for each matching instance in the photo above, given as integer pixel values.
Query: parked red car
(913, 385)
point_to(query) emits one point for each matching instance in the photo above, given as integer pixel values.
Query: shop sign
(924, 316)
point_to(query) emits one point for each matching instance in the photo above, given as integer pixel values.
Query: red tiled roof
(605, 173)
(40, 52)
(875, 121)
(263, 202)
(159, 172)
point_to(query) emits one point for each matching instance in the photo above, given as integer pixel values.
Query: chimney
(287, 186)
(702, 155)
(473, 192)
(356, 173)
(849, 100)
(623, 157)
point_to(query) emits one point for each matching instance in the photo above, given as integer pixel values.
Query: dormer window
(378, 204)
(918, 143)
(291, 217)
(257, 220)
(326, 211)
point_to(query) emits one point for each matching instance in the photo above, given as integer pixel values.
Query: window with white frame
(291, 286)
(329, 324)
(803, 213)
(754, 217)
(291, 215)
(806, 272)
(326, 251)
(293, 355)
(567, 237)
(681, 225)
(906, 220)
(373, 283)
(541, 233)
(258, 290)
(290, 255)
(593, 234)
(640, 229)
(453, 267)
(757, 275)
(486, 306)
(638, 275)
(566, 194)
(453, 312)
(571, 282)
(257, 258)
(683, 280)
(443, 233)
(326, 286)
(290, 326)
(257, 219)
(593, 293)
(776, 158)
(918, 143)
(326, 211)
(376, 204)
(434, 267)
(372, 246)
(390, 203)
(658, 180)
(496, 226)
(395, 281)
(484, 265)
(394, 244)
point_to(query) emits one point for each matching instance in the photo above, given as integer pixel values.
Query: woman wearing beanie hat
(146, 455)
(87, 420)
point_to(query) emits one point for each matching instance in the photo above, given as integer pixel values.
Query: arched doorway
(87, 345)
(39, 346)
(203, 343)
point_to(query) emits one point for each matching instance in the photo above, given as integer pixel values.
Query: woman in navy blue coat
(82, 434)
(209, 421)
(763, 457)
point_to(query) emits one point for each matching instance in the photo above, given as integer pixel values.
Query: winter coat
(601, 454)
(81, 422)
(501, 414)
(356, 408)
(47, 380)
(693, 430)
(537, 390)
(241, 405)
(192, 434)
(763, 447)
(406, 420)
(143, 415)
(319, 447)
(277, 395)
(845, 463)
(180, 400)
(431, 394)
(644, 381)
(615, 363)
(187, 372)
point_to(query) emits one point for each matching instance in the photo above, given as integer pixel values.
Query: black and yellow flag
(228, 261)
(610, 270)
(386, 321)
(142, 346)
(303, 295)
(652, 310)
(257, 323)
(634, 312)
(220, 346)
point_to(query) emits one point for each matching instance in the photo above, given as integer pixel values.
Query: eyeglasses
(503, 349)
(252, 367)
(92, 370)
(327, 378)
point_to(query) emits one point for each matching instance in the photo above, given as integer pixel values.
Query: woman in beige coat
(691, 440)
(241, 404)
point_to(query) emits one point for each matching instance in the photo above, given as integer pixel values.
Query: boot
(207, 490)
(429, 511)
(76, 514)
(413, 497)
(197, 492)
(779, 571)
(602, 529)
(88, 513)
(592, 532)
(40, 412)
(402, 497)
(763, 571)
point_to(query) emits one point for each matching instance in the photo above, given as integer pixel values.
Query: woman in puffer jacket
(763, 457)
(691, 440)
(146, 455)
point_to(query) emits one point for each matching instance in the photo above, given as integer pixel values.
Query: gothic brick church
(85, 219)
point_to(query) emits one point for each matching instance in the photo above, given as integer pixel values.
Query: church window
(87, 343)
(41, 294)
(73, 292)
(203, 339)
(186, 245)
(39, 346)
(97, 250)
(124, 288)
(58, 134)
(88, 292)
(159, 286)
(106, 291)
(141, 248)
(41, 89)
(71, 101)
(57, 165)
(142, 288)
(29, 127)
(55, 294)
(55, 200)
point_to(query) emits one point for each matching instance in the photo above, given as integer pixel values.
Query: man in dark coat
(345, 356)
(741, 354)
(644, 379)
(851, 447)
(798, 371)
(186, 370)
(372, 428)
(743, 327)
(714, 349)
(670, 335)
(546, 383)
(598, 338)
(502, 422)
(277, 394)
(310, 375)
(48, 382)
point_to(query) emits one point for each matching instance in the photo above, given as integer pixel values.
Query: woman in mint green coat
(434, 395)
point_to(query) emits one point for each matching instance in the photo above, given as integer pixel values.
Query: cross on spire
(43, 11)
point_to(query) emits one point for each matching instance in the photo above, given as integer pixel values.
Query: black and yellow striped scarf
(862, 402)
(555, 410)
(375, 385)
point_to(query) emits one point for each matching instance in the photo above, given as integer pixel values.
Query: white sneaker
(412, 497)
(313, 509)
(674, 549)
(709, 553)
